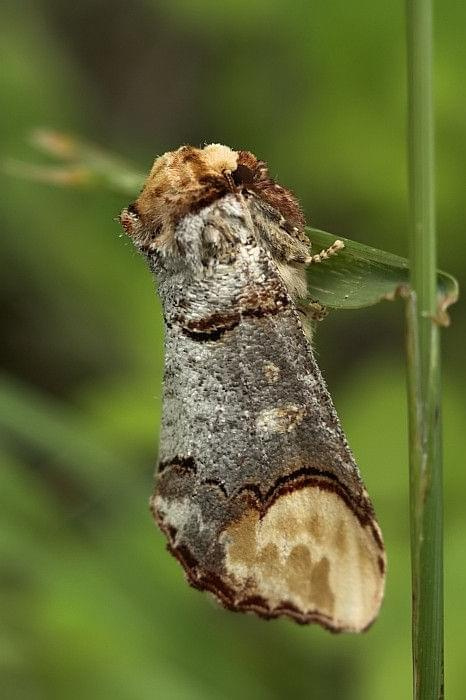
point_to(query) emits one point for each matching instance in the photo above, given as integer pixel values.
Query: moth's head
(188, 179)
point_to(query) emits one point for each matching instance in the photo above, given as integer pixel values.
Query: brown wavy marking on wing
(302, 552)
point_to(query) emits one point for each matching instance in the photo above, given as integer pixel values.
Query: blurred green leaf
(82, 164)
(61, 433)
(361, 276)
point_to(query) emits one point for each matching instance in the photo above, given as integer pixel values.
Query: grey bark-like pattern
(246, 414)
(257, 491)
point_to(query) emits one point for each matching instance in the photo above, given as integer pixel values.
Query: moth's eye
(132, 209)
(243, 175)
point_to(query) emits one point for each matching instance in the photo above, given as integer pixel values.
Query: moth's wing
(257, 491)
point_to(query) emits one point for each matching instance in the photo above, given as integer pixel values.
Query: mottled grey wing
(257, 490)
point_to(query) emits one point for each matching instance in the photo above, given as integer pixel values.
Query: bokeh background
(92, 606)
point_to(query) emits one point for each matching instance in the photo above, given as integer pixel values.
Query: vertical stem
(423, 357)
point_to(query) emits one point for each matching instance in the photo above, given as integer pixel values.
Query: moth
(257, 490)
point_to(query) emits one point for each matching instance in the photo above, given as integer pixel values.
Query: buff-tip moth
(256, 489)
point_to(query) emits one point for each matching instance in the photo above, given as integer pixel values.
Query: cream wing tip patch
(311, 554)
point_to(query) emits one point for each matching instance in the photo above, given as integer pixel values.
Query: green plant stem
(423, 359)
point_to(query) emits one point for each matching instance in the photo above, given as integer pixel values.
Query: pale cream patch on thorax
(282, 419)
(220, 158)
(311, 551)
(271, 371)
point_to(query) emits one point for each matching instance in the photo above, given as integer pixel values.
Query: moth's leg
(315, 311)
(306, 259)
(311, 312)
(326, 253)
(286, 243)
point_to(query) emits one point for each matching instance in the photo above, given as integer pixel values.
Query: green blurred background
(92, 606)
